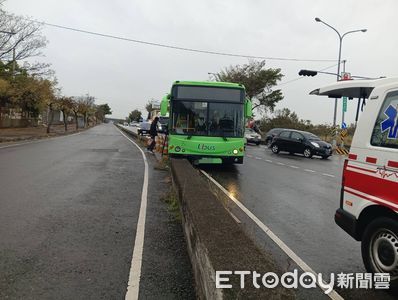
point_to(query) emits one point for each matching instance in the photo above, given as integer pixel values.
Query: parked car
(270, 135)
(252, 136)
(295, 141)
(143, 128)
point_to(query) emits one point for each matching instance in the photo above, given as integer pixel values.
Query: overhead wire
(178, 47)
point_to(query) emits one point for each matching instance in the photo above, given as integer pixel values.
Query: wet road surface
(297, 198)
(68, 216)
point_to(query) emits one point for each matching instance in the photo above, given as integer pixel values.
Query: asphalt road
(297, 198)
(68, 215)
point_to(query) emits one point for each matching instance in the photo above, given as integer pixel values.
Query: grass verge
(173, 206)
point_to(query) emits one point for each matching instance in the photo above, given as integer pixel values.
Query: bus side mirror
(248, 108)
(164, 105)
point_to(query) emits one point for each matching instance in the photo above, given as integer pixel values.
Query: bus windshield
(207, 118)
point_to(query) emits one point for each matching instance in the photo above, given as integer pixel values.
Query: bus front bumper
(204, 159)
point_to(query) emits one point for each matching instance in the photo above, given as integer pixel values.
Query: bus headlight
(235, 151)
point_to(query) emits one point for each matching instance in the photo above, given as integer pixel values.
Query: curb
(217, 243)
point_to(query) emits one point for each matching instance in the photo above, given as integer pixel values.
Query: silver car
(252, 136)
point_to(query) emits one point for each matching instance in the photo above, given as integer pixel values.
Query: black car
(295, 141)
(270, 135)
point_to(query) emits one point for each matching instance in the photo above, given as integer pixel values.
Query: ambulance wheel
(275, 148)
(380, 247)
(308, 152)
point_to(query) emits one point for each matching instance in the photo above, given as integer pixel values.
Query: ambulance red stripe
(393, 164)
(362, 169)
(373, 186)
(352, 156)
(371, 160)
(370, 199)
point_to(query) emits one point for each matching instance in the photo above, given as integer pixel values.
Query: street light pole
(343, 113)
(338, 64)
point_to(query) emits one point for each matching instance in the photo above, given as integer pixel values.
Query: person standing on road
(153, 131)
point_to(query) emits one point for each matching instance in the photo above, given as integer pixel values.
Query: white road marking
(294, 167)
(306, 268)
(259, 158)
(133, 285)
(281, 164)
(308, 170)
(329, 175)
(234, 217)
(267, 160)
(248, 155)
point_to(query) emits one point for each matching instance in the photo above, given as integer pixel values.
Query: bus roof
(210, 83)
(352, 88)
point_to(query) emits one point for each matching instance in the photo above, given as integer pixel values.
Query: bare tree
(86, 107)
(21, 35)
(66, 106)
(75, 110)
(259, 82)
(51, 101)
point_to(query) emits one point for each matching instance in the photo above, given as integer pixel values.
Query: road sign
(333, 130)
(344, 133)
(345, 104)
(345, 76)
(343, 125)
(342, 151)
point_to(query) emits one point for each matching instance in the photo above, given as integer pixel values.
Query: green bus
(207, 121)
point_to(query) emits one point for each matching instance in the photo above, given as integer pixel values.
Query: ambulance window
(385, 132)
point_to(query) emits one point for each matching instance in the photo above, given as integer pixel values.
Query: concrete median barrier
(217, 243)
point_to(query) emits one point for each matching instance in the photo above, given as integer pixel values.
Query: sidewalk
(8, 135)
(166, 267)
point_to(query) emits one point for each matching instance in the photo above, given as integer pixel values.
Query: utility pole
(343, 112)
(341, 36)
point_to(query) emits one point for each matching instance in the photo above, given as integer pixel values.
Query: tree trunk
(76, 121)
(65, 120)
(50, 117)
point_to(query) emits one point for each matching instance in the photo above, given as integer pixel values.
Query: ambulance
(369, 189)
